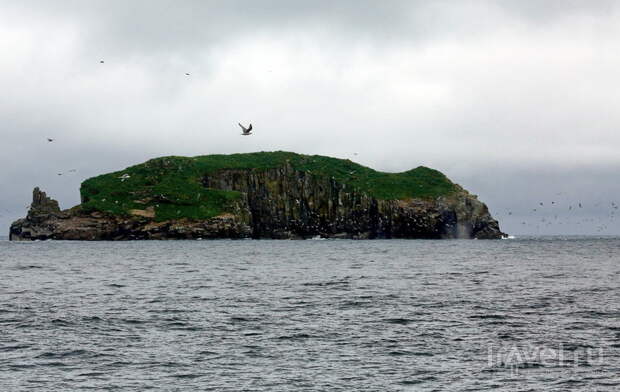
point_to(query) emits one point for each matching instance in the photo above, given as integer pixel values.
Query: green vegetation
(172, 187)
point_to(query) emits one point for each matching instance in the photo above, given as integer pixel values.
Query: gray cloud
(513, 99)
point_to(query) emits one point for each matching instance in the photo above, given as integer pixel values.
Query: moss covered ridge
(172, 187)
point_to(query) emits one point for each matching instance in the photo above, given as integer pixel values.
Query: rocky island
(280, 195)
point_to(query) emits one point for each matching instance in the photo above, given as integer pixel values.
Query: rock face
(285, 203)
(42, 205)
(281, 203)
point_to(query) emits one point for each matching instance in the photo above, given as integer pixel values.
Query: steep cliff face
(288, 203)
(283, 201)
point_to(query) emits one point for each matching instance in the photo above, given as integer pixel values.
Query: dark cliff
(282, 195)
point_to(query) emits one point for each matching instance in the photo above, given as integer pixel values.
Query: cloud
(517, 89)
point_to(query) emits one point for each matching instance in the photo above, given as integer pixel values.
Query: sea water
(532, 313)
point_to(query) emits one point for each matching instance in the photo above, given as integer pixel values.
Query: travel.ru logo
(518, 357)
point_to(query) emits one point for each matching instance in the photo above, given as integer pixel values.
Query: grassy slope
(172, 185)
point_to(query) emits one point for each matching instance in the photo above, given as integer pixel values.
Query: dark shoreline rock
(278, 203)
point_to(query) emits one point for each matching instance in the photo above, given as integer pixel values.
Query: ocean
(527, 314)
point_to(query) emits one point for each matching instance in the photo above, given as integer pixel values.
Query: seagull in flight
(246, 131)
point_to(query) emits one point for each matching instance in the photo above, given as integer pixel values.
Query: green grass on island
(172, 186)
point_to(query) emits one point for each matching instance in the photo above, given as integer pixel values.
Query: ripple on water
(315, 315)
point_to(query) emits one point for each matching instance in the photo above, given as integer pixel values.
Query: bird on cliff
(246, 131)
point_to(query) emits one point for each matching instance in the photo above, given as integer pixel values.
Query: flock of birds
(563, 213)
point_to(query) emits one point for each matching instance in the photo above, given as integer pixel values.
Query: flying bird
(246, 131)
(50, 140)
(101, 62)
(186, 73)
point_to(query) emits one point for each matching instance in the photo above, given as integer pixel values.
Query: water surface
(526, 314)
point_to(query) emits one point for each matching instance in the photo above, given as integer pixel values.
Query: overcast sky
(518, 101)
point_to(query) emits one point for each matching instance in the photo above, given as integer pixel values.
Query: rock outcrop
(76, 224)
(280, 202)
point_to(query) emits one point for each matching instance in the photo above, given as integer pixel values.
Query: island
(262, 195)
